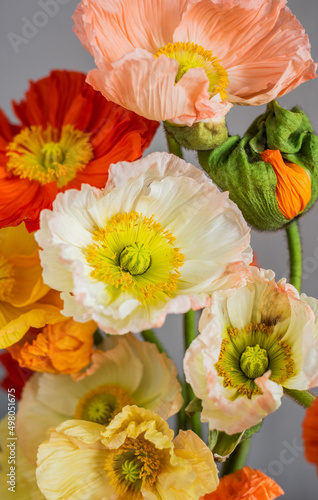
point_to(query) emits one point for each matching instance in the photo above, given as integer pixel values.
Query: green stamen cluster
(135, 259)
(254, 361)
(247, 354)
(131, 470)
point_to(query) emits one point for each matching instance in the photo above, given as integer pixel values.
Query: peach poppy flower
(310, 434)
(68, 135)
(188, 60)
(246, 484)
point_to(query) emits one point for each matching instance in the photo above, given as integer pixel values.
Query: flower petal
(152, 91)
(111, 29)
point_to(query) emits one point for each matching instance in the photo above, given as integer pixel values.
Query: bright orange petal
(293, 190)
(64, 347)
(246, 484)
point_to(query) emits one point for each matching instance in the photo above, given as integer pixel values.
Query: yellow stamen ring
(102, 403)
(135, 464)
(135, 253)
(190, 55)
(49, 155)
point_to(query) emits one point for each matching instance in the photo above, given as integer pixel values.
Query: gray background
(55, 46)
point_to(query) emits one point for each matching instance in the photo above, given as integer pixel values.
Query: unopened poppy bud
(293, 190)
(272, 172)
(201, 136)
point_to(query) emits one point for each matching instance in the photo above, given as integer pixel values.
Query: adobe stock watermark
(30, 27)
(287, 456)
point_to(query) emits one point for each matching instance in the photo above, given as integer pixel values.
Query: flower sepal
(201, 136)
(222, 444)
(195, 406)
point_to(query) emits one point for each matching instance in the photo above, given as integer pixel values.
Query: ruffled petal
(111, 29)
(262, 46)
(152, 91)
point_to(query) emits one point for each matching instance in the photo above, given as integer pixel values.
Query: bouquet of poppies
(99, 244)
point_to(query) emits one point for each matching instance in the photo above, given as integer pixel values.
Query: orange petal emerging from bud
(310, 434)
(65, 347)
(293, 191)
(245, 484)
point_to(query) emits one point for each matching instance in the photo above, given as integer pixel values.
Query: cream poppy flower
(134, 458)
(158, 239)
(127, 372)
(255, 341)
(188, 60)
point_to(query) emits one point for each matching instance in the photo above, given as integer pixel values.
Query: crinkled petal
(111, 29)
(152, 91)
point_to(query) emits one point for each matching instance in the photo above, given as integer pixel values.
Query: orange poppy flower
(64, 347)
(69, 135)
(310, 434)
(245, 484)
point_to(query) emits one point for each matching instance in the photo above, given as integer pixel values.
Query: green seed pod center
(254, 361)
(131, 470)
(135, 259)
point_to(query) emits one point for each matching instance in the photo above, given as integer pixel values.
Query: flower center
(247, 354)
(190, 55)
(102, 403)
(254, 361)
(135, 253)
(134, 465)
(49, 155)
(7, 279)
(135, 259)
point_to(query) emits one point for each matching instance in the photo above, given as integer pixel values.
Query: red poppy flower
(69, 135)
(16, 376)
(310, 434)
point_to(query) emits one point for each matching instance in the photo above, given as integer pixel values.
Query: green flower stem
(303, 398)
(237, 459)
(150, 336)
(98, 337)
(174, 146)
(294, 246)
(190, 333)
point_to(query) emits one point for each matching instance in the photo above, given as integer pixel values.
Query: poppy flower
(159, 239)
(245, 484)
(134, 458)
(68, 135)
(256, 340)
(189, 60)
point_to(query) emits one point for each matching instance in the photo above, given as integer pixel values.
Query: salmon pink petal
(152, 78)
(262, 46)
(110, 29)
